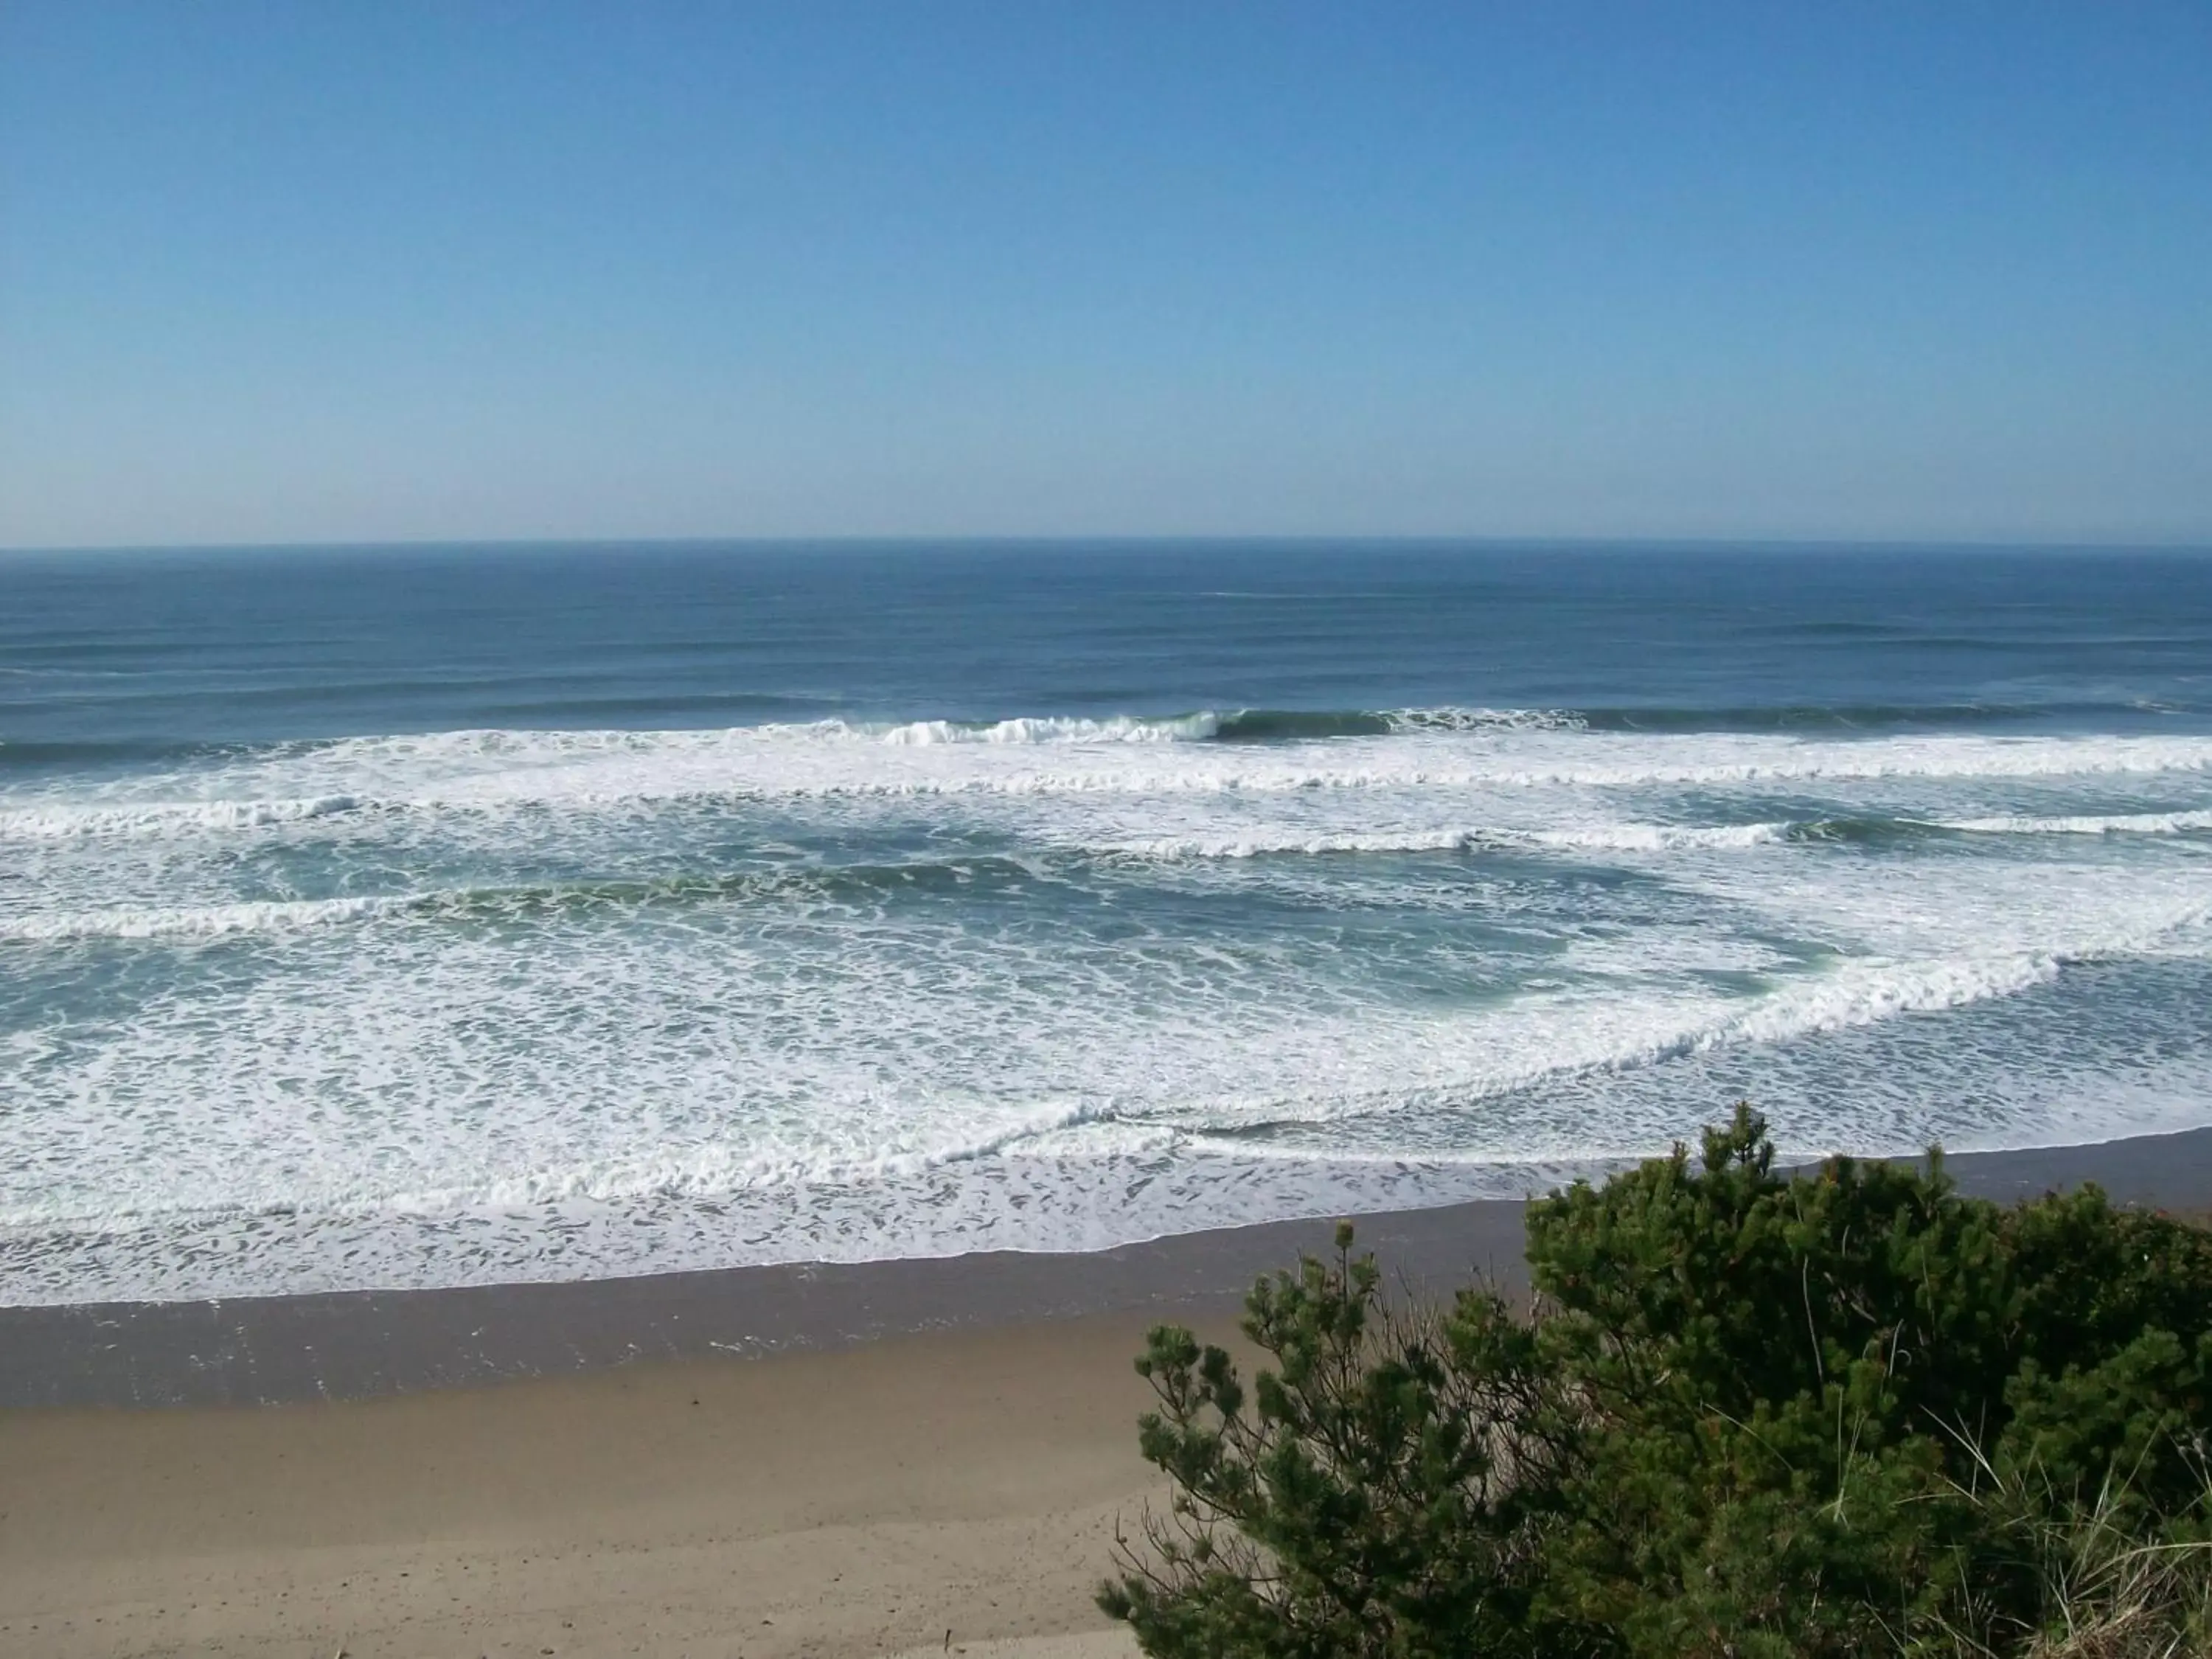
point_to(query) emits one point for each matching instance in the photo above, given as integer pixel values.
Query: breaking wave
(501, 771)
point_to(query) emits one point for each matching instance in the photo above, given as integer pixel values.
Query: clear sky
(455, 270)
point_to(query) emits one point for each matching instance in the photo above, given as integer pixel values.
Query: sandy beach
(866, 1501)
(887, 1460)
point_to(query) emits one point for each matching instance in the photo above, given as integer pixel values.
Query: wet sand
(878, 1455)
(361, 1345)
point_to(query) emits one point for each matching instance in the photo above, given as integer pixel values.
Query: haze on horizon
(274, 273)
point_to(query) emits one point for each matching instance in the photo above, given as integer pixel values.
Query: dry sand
(863, 1502)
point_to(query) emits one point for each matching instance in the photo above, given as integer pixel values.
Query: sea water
(426, 916)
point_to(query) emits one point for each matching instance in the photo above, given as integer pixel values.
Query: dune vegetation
(1747, 1411)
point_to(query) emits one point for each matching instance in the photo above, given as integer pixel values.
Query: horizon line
(919, 540)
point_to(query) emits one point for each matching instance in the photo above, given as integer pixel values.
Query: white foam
(711, 1209)
(1863, 993)
(1485, 720)
(196, 921)
(814, 1065)
(1264, 845)
(1664, 837)
(1189, 728)
(2118, 823)
(1616, 837)
(1198, 728)
(64, 818)
(505, 772)
(1628, 1037)
(579, 1062)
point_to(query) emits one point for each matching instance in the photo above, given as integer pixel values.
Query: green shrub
(1754, 1413)
(1384, 1488)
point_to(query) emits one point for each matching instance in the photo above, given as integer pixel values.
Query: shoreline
(914, 1459)
(358, 1345)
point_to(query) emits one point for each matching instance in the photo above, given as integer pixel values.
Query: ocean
(425, 916)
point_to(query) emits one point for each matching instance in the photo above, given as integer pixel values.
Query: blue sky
(324, 271)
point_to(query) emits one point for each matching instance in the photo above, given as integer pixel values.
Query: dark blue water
(170, 650)
(423, 915)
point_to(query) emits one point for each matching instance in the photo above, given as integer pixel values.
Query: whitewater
(743, 905)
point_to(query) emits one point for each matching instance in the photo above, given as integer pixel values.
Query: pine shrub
(1752, 1412)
